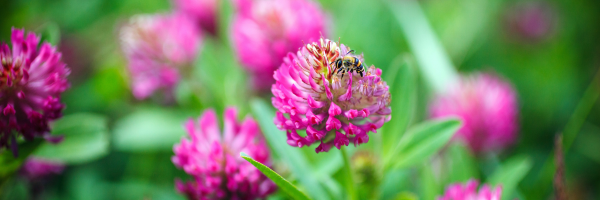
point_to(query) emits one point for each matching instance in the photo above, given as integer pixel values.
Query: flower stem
(351, 189)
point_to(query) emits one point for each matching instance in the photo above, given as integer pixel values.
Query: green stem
(585, 105)
(351, 189)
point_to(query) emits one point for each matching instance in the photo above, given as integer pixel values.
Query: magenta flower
(157, 48)
(533, 20)
(334, 111)
(488, 108)
(469, 191)
(264, 31)
(214, 159)
(204, 12)
(36, 168)
(31, 81)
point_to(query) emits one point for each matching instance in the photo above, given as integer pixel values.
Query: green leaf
(429, 186)
(350, 182)
(283, 184)
(509, 174)
(292, 156)
(149, 129)
(435, 64)
(85, 139)
(402, 81)
(393, 182)
(10, 164)
(421, 142)
(462, 166)
(406, 196)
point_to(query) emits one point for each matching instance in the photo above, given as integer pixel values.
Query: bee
(348, 63)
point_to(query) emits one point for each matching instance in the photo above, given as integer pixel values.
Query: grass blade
(283, 184)
(431, 56)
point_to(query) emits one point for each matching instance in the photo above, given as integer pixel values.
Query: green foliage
(283, 184)
(421, 142)
(9, 164)
(462, 164)
(417, 44)
(51, 33)
(509, 174)
(429, 187)
(294, 159)
(401, 78)
(149, 129)
(86, 139)
(433, 60)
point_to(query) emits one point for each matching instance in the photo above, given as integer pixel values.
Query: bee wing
(361, 58)
(344, 50)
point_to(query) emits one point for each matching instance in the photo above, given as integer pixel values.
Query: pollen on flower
(334, 109)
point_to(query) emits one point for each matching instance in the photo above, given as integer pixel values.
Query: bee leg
(339, 70)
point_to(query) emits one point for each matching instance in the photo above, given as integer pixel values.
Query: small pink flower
(214, 159)
(36, 168)
(469, 191)
(31, 82)
(488, 108)
(157, 48)
(531, 20)
(264, 31)
(204, 12)
(334, 111)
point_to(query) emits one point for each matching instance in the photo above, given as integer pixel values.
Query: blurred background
(549, 51)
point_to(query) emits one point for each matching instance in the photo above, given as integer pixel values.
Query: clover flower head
(333, 110)
(203, 12)
(31, 82)
(264, 31)
(157, 47)
(468, 191)
(214, 159)
(488, 108)
(531, 20)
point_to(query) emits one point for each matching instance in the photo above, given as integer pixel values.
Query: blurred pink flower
(36, 168)
(214, 159)
(31, 81)
(264, 31)
(532, 20)
(204, 12)
(469, 191)
(488, 108)
(157, 48)
(333, 110)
